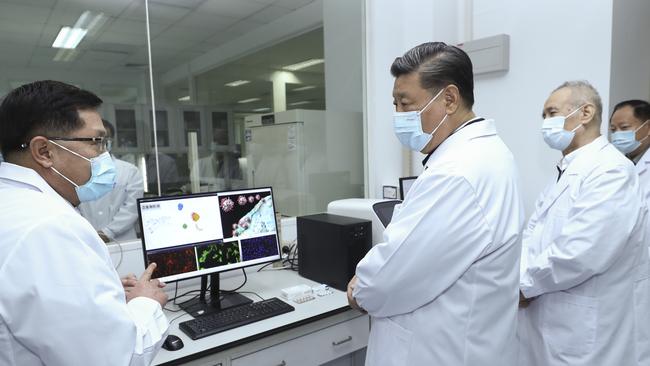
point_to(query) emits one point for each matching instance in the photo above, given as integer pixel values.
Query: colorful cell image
(180, 207)
(217, 254)
(227, 204)
(195, 217)
(260, 247)
(250, 216)
(242, 200)
(172, 261)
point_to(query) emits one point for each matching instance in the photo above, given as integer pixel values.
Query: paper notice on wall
(291, 138)
(248, 135)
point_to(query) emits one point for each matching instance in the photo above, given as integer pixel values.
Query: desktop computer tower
(331, 246)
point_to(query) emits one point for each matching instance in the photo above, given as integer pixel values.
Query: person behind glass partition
(114, 216)
(221, 163)
(170, 180)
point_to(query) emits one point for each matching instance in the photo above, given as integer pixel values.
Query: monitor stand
(216, 302)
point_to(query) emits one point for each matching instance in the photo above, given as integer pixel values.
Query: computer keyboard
(234, 317)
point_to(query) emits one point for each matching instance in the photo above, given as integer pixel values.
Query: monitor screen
(405, 184)
(197, 234)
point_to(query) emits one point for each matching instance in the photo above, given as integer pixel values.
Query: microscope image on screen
(173, 261)
(243, 216)
(260, 247)
(217, 254)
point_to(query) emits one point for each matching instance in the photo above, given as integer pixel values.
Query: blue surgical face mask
(408, 127)
(102, 178)
(554, 133)
(625, 141)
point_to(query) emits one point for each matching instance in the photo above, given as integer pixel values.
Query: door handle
(338, 343)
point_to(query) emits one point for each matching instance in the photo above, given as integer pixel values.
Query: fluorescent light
(65, 55)
(69, 37)
(248, 100)
(304, 64)
(262, 109)
(308, 87)
(301, 102)
(184, 99)
(237, 83)
(88, 23)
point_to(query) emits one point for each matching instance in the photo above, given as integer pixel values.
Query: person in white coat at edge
(442, 287)
(630, 132)
(583, 246)
(61, 301)
(115, 214)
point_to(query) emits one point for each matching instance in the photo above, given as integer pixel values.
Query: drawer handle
(346, 340)
(283, 363)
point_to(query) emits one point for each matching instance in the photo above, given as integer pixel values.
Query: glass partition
(242, 91)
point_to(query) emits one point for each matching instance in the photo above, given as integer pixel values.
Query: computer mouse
(172, 343)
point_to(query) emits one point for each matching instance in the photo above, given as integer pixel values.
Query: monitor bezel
(401, 184)
(215, 269)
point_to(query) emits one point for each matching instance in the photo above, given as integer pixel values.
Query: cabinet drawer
(313, 349)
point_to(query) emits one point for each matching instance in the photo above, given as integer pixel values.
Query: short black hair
(641, 108)
(44, 107)
(110, 129)
(438, 65)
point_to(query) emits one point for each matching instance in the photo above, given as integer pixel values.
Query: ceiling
(259, 68)
(181, 30)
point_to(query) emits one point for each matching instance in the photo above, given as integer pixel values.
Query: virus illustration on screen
(258, 197)
(242, 200)
(251, 199)
(227, 204)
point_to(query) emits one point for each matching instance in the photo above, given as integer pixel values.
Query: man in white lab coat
(115, 214)
(442, 288)
(630, 127)
(61, 301)
(583, 253)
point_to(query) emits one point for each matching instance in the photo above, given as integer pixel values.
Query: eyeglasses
(104, 143)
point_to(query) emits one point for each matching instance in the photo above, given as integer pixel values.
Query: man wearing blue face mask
(443, 287)
(114, 215)
(59, 292)
(630, 134)
(584, 266)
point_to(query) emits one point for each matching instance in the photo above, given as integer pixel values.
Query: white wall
(550, 42)
(391, 29)
(342, 36)
(630, 77)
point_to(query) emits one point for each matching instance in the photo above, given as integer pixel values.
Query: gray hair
(582, 92)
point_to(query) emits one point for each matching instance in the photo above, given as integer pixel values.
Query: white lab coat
(116, 213)
(61, 301)
(442, 289)
(584, 264)
(643, 305)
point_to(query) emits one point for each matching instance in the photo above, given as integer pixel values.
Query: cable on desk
(240, 286)
(179, 316)
(252, 293)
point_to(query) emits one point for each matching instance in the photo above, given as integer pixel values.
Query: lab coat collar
(28, 178)
(643, 163)
(484, 128)
(577, 163)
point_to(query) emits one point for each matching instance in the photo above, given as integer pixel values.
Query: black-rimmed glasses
(105, 143)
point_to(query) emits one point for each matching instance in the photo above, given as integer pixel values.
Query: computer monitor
(405, 184)
(208, 233)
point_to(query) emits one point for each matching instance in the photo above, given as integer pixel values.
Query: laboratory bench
(321, 331)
